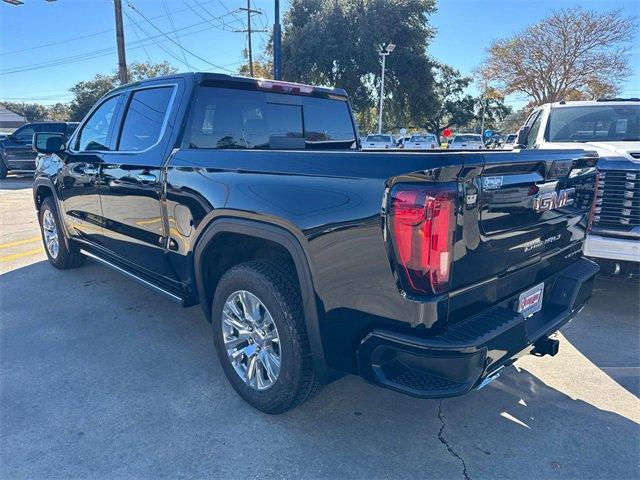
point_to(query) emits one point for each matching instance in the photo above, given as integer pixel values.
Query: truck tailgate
(519, 208)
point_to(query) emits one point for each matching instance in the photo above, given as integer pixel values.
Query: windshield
(379, 138)
(597, 123)
(467, 138)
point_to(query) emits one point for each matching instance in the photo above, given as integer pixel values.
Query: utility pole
(248, 31)
(384, 51)
(277, 67)
(122, 59)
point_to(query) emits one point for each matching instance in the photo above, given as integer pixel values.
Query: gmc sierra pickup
(425, 272)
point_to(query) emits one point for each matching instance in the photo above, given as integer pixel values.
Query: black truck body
(410, 266)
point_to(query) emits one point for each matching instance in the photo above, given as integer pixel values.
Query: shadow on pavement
(16, 182)
(608, 331)
(102, 378)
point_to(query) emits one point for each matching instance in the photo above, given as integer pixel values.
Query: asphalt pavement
(102, 378)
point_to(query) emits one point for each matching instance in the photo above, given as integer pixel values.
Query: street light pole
(484, 103)
(384, 51)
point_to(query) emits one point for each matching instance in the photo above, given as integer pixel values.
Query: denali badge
(548, 201)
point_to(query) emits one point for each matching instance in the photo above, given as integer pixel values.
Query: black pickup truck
(16, 152)
(425, 272)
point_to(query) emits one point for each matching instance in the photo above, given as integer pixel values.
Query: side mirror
(48, 142)
(521, 141)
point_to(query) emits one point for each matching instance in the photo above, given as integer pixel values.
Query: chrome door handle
(90, 170)
(146, 177)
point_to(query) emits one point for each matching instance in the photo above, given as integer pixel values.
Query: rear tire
(272, 294)
(53, 238)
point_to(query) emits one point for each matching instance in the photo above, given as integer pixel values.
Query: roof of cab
(201, 77)
(590, 103)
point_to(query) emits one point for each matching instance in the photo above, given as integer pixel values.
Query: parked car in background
(16, 152)
(611, 128)
(467, 141)
(495, 141)
(378, 141)
(424, 272)
(508, 141)
(425, 141)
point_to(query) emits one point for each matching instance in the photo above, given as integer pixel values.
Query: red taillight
(421, 222)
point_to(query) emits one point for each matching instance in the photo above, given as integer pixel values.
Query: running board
(172, 296)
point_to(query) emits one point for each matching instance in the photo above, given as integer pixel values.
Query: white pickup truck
(612, 128)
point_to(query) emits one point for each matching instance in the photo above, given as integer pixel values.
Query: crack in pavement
(446, 443)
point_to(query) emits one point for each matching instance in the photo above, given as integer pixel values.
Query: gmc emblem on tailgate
(549, 201)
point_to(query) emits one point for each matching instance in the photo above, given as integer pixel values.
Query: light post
(384, 51)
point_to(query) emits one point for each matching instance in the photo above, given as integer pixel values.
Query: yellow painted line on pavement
(20, 242)
(148, 222)
(15, 256)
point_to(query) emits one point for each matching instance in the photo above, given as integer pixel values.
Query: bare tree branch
(571, 54)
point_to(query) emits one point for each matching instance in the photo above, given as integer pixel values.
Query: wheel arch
(285, 240)
(43, 187)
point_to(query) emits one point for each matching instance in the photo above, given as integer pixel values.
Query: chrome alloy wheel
(251, 340)
(50, 234)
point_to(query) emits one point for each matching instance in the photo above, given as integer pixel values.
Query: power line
(223, 25)
(82, 37)
(135, 31)
(157, 43)
(227, 9)
(173, 41)
(173, 30)
(101, 52)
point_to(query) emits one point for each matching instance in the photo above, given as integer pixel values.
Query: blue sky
(75, 39)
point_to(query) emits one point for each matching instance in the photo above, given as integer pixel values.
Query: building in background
(9, 121)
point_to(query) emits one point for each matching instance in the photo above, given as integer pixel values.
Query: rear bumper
(611, 248)
(471, 352)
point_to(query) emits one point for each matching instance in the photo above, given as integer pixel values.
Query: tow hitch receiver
(545, 346)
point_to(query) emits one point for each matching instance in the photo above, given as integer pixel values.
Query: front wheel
(260, 336)
(54, 245)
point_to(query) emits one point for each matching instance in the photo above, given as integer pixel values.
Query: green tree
(336, 43)
(452, 106)
(87, 93)
(60, 112)
(570, 54)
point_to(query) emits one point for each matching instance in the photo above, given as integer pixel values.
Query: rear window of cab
(224, 118)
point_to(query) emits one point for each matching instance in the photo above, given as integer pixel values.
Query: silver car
(426, 141)
(377, 141)
(467, 141)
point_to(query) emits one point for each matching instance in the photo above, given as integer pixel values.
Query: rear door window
(144, 118)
